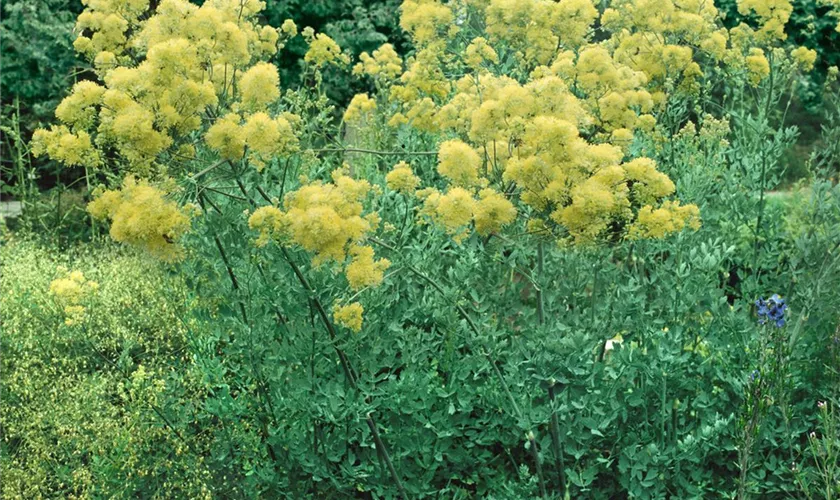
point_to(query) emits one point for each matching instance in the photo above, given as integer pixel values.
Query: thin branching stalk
(262, 388)
(555, 437)
(374, 152)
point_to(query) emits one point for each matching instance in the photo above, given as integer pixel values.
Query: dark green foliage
(810, 25)
(38, 56)
(356, 25)
(37, 64)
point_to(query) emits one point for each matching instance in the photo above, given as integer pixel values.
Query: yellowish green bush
(94, 346)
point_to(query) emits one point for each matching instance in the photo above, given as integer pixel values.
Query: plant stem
(262, 387)
(536, 453)
(540, 271)
(555, 439)
(374, 152)
(381, 447)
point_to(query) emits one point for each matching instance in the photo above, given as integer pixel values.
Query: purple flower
(772, 309)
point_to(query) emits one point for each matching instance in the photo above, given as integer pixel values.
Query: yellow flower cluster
(265, 137)
(758, 68)
(60, 144)
(359, 108)
(492, 212)
(385, 63)
(427, 20)
(536, 28)
(70, 292)
(141, 215)
(457, 208)
(670, 218)
(478, 52)
(107, 23)
(349, 316)
(804, 58)
(666, 40)
(657, 38)
(422, 83)
(402, 179)
(324, 51)
(326, 219)
(162, 71)
(459, 163)
(259, 86)
(772, 15)
(364, 271)
(78, 109)
(556, 139)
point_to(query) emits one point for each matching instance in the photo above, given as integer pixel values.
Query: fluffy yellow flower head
(140, 215)
(78, 109)
(227, 137)
(259, 86)
(649, 184)
(385, 63)
(426, 20)
(267, 137)
(401, 178)
(73, 150)
(479, 51)
(349, 316)
(363, 270)
(459, 163)
(758, 68)
(268, 221)
(289, 28)
(669, 218)
(323, 51)
(326, 219)
(360, 106)
(452, 211)
(804, 58)
(492, 212)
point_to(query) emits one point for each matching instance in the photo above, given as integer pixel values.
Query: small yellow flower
(360, 107)
(758, 68)
(349, 316)
(401, 178)
(458, 162)
(323, 51)
(804, 58)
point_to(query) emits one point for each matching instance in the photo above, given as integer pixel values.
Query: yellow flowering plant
(517, 135)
